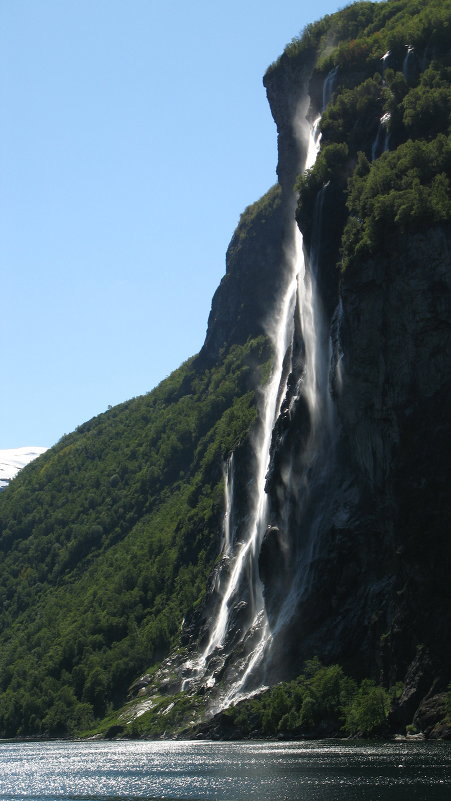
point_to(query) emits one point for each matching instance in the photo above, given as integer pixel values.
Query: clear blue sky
(133, 134)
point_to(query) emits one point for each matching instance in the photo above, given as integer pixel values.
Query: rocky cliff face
(256, 257)
(355, 561)
(376, 586)
(394, 334)
(246, 296)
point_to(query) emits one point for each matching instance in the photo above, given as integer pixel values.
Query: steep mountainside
(279, 506)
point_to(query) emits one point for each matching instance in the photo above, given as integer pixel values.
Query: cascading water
(229, 482)
(411, 70)
(329, 86)
(250, 641)
(281, 331)
(410, 66)
(308, 486)
(385, 59)
(382, 138)
(256, 630)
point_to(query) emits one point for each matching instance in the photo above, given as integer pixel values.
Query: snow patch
(13, 459)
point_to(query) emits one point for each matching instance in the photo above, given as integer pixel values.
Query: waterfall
(329, 86)
(384, 60)
(300, 294)
(337, 361)
(408, 58)
(246, 558)
(229, 488)
(381, 141)
(240, 624)
(313, 326)
(244, 563)
(310, 312)
(411, 66)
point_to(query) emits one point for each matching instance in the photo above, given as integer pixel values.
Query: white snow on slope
(13, 459)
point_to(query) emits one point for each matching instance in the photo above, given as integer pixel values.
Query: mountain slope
(107, 540)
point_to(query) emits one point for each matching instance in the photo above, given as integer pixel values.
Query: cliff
(375, 577)
(355, 559)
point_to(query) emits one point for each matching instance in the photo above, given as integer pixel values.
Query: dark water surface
(304, 771)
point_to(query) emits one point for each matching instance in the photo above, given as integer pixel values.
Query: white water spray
(382, 138)
(229, 489)
(384, 60)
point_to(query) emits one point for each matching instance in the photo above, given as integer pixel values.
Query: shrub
(366, 712)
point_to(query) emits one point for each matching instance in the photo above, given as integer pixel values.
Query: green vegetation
(385, 195)
(356, 37)
(169, 716)
(107, 541)
(403, 191)
(253, 217)
(322, 700)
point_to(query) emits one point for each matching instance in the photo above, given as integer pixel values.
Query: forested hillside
(112, 554)
(107, 542)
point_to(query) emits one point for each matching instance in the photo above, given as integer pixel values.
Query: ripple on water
(199, 771)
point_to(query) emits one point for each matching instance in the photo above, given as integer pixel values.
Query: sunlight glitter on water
(198, 771)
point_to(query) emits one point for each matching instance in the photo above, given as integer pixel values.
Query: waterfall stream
(317, 456)
(250, 639)
(382, 138)
(411, 66)
(246, 558)
(229, 486)
(329, 86)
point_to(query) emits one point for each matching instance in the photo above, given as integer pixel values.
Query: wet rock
(431, 717)
(238, 616)
(139, 685)
(272, 570)
(270, 560)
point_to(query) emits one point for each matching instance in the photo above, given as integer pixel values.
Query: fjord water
(304, 771)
